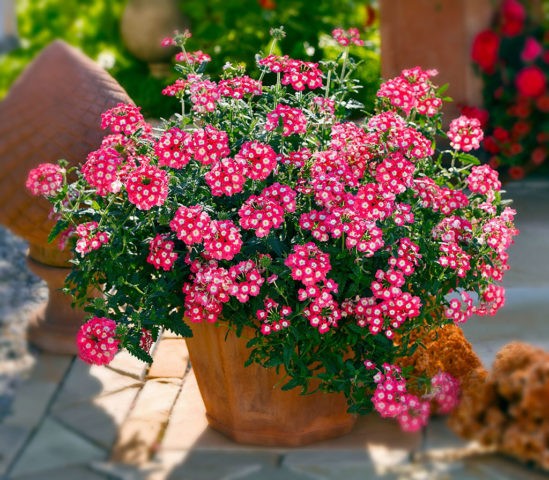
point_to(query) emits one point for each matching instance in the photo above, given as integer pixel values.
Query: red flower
(542, 103)
(538, 155)
(516, 172)
(531, 81)
(484, 50)
(490, 145)
(513, 16)
(267, 4)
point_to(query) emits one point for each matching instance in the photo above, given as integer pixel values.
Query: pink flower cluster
(483, 179)
(89, 238)
(274, 317)
(297, 73)
(239, 87)
(97, 341)
(211, 286)
(46, 180)
(124, 118)
(445, 392)
(204, 94)
(347, 37)
(412, 90)
(161, 253)
(193, 57)
(293, 120)
(465, 133)
(391, 400)
(308, 264)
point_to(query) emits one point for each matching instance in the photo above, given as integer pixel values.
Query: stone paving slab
(100, 418)
(55, 447)
(85, 382)
(65, 473)
(171, 359)
(139, 435)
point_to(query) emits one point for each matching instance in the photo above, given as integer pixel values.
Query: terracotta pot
(52, 111)
(247, 404)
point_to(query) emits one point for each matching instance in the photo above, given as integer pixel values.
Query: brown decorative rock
(247, 404)
(435, 34)
(52, 111)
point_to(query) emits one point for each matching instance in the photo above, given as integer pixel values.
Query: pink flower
(531, 81)
(483, 179)
(124, 118)
(161, 254)
(347, 37)
(222, 240)
(89, 238)
(97, 342)
(238, 87)
(445, 391)
(260, 215)
(101, 170)
(210, 145)
(46, 179)
(414, 413)
(193, 57)
(227, 177)
(173, 148)
(190, 224)
(308, 264)
(147, 187)
(273, 317)
(293, 120)
(532, 49)
(247, 280)
(465, 133)
(260, 159)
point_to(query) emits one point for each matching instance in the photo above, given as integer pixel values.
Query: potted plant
(317, 247)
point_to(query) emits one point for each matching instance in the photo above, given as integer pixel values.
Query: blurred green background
(228, 30)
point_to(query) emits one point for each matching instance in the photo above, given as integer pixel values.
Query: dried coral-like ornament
(52, 111)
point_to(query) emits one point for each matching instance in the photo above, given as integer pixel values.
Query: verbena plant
(259, 206)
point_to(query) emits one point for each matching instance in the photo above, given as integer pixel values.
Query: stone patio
(72, 421)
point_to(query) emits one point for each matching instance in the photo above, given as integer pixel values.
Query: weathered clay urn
(247, 403)
(52, 111)
(144, 24)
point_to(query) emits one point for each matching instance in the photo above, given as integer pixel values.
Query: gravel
(21, 292)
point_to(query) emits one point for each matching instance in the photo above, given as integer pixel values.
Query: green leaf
(138, 353)
(293, 383)
(57, 229)
(178, 326)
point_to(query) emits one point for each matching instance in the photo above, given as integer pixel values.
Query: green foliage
(230, 31)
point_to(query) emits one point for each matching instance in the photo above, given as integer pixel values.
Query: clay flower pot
(52, 111)
(247, 404)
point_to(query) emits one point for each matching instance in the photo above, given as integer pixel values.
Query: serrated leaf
(179, 327)
(138, 353)
(57, 229)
